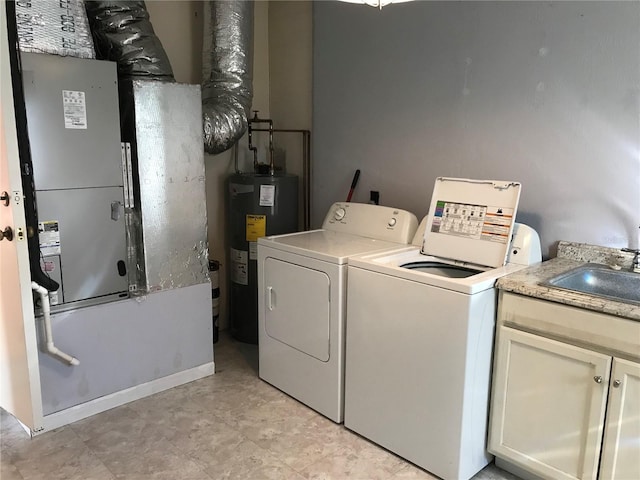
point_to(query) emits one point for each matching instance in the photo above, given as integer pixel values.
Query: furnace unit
(74, 134)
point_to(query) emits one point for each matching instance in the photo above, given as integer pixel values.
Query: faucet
(635, 265)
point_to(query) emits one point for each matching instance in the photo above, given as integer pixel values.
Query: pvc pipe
(50, 348)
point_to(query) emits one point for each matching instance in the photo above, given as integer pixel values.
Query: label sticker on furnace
(477, 222)
(75, 110)
(49, 236)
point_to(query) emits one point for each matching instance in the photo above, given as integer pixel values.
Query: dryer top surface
(327, 245)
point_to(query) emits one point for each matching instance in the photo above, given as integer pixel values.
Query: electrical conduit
(50, 348)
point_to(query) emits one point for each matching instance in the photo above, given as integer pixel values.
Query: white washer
(420, 328)
(302, 280)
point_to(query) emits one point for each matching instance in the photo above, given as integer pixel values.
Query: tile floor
(231, 425)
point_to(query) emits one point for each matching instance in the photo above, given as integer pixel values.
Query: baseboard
(84, 410)
(515, 470)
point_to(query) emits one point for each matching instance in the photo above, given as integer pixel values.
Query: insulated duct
(123, 33)
(227, 87)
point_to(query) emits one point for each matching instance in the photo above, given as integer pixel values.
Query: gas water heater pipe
(253, 148)
(50, 348)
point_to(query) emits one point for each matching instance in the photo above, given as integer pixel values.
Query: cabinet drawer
(597, 331)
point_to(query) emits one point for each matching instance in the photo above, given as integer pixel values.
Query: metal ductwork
(227, 87)
(123, 33)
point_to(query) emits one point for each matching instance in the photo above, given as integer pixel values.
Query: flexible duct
(227, 89)
(123, 33)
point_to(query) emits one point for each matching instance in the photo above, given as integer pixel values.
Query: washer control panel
(372, 221)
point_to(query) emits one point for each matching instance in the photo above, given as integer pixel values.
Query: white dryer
(421, 322)
(302, 280)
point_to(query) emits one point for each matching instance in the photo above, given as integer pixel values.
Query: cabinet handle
(597, 379)
(617, 383)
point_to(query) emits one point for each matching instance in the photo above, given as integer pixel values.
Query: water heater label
(253, 250)
(75, 109)
(267, 195)
(239, 267)
(49, 235)
(256, 227)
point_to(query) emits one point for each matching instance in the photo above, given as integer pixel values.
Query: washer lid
(471, 220)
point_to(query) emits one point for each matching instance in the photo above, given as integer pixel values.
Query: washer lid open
(471, 220)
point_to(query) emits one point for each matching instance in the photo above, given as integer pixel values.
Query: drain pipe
(50, 348)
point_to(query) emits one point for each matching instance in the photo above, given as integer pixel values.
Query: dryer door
(297, 307)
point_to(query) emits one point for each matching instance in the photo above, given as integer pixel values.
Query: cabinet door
(548, 405)
(621, 450)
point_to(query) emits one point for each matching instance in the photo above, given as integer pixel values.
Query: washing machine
(420, 328)
(302, 280)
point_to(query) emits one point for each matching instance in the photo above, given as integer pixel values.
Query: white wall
(179, 25)
(546, 93)
(290, 68)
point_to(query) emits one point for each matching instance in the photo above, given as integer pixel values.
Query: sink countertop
(571, 255)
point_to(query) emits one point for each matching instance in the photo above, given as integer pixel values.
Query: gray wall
(125, 344)
(544, 93)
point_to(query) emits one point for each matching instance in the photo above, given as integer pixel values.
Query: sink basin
(600, 281)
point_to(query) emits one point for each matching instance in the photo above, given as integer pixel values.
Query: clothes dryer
(302, 279)
(420, 328)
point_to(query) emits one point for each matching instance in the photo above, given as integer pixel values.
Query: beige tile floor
(231, 425)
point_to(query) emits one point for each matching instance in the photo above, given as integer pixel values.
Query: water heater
(257, 205)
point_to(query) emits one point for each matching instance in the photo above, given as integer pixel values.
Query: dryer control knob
(392, 222)
(339, 214)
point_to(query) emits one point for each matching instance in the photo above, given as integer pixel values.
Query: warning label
(267, 195)
(497, 224)
(75, 110)
(256, 227)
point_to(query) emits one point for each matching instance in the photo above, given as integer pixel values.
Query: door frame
(20, 390)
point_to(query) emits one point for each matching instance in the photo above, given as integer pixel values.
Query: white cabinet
(563, 407)
(549, 405)
(621, 450)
